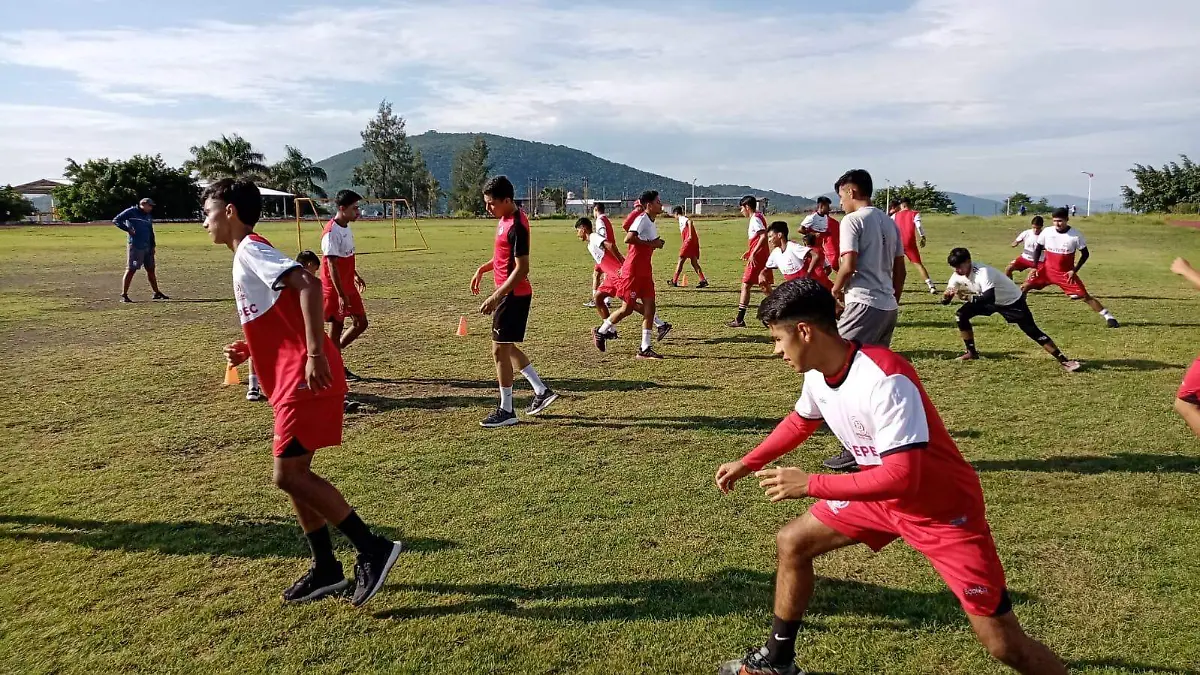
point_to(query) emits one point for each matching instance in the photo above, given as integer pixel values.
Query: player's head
(748, 205)
(598, 209)
(677, 211)
(651, 202)
(854, 185)
(802, 317)
(1037, 223)
(583, 228)
(809, 239)
(1061, 218)
(960, 260)
(347, 205)
(309, 261)
(231, 209)
(824, 205)
(146, 205)
(777, 234)
(905, 203)
(893, 206)
(498, 196)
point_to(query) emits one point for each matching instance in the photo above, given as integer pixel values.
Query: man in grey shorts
(870, 277)
(139, 225)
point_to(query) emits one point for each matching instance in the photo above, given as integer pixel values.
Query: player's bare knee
(795, 542)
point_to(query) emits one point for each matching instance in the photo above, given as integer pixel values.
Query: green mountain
(555, 166)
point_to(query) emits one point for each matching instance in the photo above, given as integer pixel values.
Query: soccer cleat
(541, 401)
(370, 571)
(648, 353)
(500, 418)
(703, 283)
(933, 289)
(736, 324)
(755, 663)
(599, 338)
(317, 584)
(350, 406)
(673, 283)
(968, 356)
(254, 394)
(160, 296)
(842, 462)
(1112, 323)
(591, 304)
(351, 377)
(1071, 366)
(663, 330)
(125, 298)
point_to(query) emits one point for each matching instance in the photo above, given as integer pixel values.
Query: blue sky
(977, 96)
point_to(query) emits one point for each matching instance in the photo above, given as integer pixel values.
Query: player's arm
(483, 269)
(1037, 253)
(846, 270)
(335, 277)
(1184, 269)
(612, 248)
(316, 371)
(122, 221)
(920, 230)
(787, 436)
(759, 246)
(1018, 241)
(518, 275)
(633, 238)
(1084, 254)
(899, 274)
(816, 260)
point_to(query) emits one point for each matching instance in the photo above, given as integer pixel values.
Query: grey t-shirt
(875, 237)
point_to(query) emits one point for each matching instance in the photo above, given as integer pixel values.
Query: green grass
(139, 529)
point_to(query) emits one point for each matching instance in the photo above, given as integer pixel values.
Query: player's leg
(253, 390)
(743, 303)
(1187, 399)
(152, 277)
(699, 272)
(607, 330)
(926, 277)
(1109, 319)
(358, 325)
(601, 303)
(966, 332)
(133, 261)
(543, 395)
(1019, 314)
(596, 275)
(678, 271)
(1190, 412)
(766, 281)
(502, 354)
(1009, 268)
(337, 325)
(649, 320)
(1007, 642)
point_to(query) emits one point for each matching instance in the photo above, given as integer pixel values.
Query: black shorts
(510, 318)
(1017, 312)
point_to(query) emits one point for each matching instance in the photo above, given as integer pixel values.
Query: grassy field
(139, 530)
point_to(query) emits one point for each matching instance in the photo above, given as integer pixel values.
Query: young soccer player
(612, 274)
(279, 305)
(689, 248)
(826, 228)
(913, 484)
(1187, 399)
(1059, 268)
(638, 209)
(912, 235)
(636, 283)
(311, 264)
(340, 280)
(990, 293)
(1028, 240)
(604, 228)
(793, 260)
(509, 303)
(756, 255)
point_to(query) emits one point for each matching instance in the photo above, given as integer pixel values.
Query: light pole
(888, 199)
(694, 194)
(1090, 176)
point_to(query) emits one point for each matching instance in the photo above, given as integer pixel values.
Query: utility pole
(1089, 201)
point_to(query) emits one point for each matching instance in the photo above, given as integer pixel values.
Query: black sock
(741, 314)
(359, 534)
(1062, 358)
(321, 544)
(781, 644)
(971, 347)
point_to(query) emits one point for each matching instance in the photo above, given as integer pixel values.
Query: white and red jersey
(274, 325)
(637, 259)
(1029, 242)
(757, 226)
(605, 229)
(337, 242)
(815, 222)
(876, 406)
(1060, 248)
(791, 260)
(605, 260)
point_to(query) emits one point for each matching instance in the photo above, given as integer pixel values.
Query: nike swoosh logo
(780, 639)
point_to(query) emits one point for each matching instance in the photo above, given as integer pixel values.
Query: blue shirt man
(137, 222)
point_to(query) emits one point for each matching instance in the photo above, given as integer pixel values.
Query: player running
(912, 235)
(913, 484)
(1028, 240)
(1187, 400)
(604, 257)
(794, 260)
(1059, 268)
(826, 227)
(636, 283)
(605, 228)
(756, 255)
(340, 280)
(301, 372)
(509, 303)
(689, 248)
(989, 293)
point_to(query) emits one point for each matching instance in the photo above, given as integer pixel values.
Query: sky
(977, 96)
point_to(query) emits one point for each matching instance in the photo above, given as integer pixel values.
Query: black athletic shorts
(510, 318)
(1017, 312)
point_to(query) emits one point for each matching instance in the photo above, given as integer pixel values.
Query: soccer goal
(369, 236)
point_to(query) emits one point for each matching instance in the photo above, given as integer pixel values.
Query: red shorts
(314, 423)
(912, 251)
(1190, 389)
(757, 273)
(609, 285)
(632, 289)
(1041, 278)
(830, 249)
(964, 555)
(354, 305)
(1022, 263)
(690, 251)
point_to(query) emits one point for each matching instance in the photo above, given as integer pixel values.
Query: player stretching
(605, 259)
(1028, 240)
(636, 283)
(826, 227)
(689, 248)
(991, 293)
(301, 372)
(509, 303)
(793, 260)
(604, 228)
(913, 484)
(912, 235)
(1187, 400)
(340, 280)
(756, 255)
(1059, 268)
(638, 209)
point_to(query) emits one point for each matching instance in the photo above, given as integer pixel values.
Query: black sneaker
(351, 377)
(254, 394)
(842, 462)
(350, 406)
(160, 296)
(703, 283)
(599, 339)
(317, 584)
(125, 298)
(673, 283)
(500, 418)
(541, 401)
(755, 663)
(648, 353)
(371, 570)
(1112, 323)
(736, 324)
(663, 330)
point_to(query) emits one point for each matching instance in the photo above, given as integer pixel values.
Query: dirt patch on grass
(1186, 223)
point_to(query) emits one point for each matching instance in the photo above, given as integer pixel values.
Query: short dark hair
(648, 196)
(824, 200)
(958, 256)
(599, 206)
(1062, 213)
(800, 300)
(346, 198)
(306, 257)
(242, 194)
(750, 201)
(894, 204)
(1037, 220)
(860, 179)
(809, 239)
(499, 188)
(583, 222)
(780, 227)
(905, 201)
(677, 211)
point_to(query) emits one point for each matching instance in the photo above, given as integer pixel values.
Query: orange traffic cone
(462, 326)
(683, 280)
(231, 376)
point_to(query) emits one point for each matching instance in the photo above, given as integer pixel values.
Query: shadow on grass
(1128, 667)
(731, 339)
(951, 354)
(268, 538)
(1151, 324)
(1129, 365)
(1126, 462)
(562, 385)
(178, 300)
(965, 433)
(730, 591)
(691, 422)
(377, 404)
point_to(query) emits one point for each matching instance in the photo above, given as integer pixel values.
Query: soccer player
(596, 244)
(139, 225)
(340, 280)
(509, 303)
(689, 248)
(826, 227)
(1059, 268)
(311, 264)
(280, 305)
(636, 283)
(1028, 241)
(912, 235)
(638, 209)
(793, 260)
(913, 484)
(893, 207)
(992, 293)
(756, 255)
(1187, 400)
(604, 228)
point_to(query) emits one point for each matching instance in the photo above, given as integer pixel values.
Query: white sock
(658, 323)
(506, 398)
(646, 338)
(1106, 314)
(608, 302)
(531, 375)
(929, 283)
(253, 383)
(606, 327)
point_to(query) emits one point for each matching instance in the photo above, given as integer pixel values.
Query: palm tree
(298, 175)
(227, 157)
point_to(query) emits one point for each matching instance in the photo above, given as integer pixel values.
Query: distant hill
(553, 165)
(967, 205)
(1101, 204)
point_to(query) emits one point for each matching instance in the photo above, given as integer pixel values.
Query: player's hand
(237, 353)
(922, 242)
(489, 305)
(342, 302)
(659, 243)
(947, 297)
(475, 283)
(786, 483)
(1181, 266)
(316, 373)
(359, 282)
(746, 255)
(1070, 275)
(839, 294)
(730, 473)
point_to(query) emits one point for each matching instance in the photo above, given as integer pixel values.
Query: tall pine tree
(468, 174)
(391, 169)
